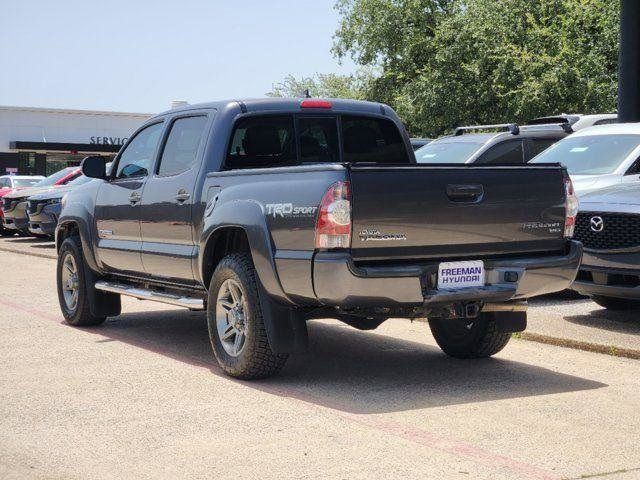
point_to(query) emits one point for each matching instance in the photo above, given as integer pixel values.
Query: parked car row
(23, 205)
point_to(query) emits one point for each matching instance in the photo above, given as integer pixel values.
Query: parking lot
(141, 397)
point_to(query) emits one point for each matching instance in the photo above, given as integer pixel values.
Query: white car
(598, 157)
(577, 121)
(17, 181)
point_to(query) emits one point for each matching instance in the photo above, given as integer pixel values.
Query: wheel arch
(241, 225)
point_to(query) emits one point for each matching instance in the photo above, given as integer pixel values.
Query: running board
(192, 303)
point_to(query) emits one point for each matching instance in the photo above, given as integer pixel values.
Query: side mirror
(94, 167)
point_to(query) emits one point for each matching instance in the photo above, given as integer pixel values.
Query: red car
(14, 195)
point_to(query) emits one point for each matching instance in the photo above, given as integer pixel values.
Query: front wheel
(72, 289)
(612, 303)
(236, 326)
(475, 338)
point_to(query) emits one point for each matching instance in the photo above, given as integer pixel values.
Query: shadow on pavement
(350, 370)
(33, 240)
(620, 321)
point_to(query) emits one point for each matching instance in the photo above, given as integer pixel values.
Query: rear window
(276, 141)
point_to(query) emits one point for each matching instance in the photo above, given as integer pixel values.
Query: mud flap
(509, 322)
(285, 326)
(101, 304)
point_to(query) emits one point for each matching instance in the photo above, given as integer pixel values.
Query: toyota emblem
(597, 224)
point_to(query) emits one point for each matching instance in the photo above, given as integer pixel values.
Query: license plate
(454, 275)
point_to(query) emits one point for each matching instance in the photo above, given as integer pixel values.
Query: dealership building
(41, 141)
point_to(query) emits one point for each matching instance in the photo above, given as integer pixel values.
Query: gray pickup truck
(268, 213)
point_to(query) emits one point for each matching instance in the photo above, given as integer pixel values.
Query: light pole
(629, 62)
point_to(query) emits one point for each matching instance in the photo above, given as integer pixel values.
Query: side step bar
(192, 303)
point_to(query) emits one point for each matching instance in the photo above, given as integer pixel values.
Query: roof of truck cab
(293, 104)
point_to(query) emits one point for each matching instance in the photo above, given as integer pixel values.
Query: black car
(492, 144)
(268, 213)
(608, 226)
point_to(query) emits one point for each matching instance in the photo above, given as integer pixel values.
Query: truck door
(117, 209)
(168, 247)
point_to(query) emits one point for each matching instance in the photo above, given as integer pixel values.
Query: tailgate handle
(465, 193)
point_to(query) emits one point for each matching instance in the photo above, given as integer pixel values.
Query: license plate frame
(462, 274)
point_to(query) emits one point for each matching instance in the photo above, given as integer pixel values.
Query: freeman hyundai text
(268, 213)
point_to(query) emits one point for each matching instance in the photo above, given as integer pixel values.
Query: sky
(138, 56)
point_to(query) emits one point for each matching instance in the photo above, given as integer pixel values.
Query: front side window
(590, 155)
(181, 147)
(447, 152)
(372, 140)
(539, 145)
(137, 157)
(259, 142)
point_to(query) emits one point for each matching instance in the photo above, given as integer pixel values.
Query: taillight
(333, 228)
(571, 205)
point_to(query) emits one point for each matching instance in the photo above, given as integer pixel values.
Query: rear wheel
(72, 289)
(236, 326)
(4, 232)
(473, 338)
(612, 303)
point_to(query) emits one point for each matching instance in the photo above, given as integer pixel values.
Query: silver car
(598, 157)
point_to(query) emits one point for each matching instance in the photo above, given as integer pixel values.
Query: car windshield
(26, 182)
(446, 152)
(590, 155)
(51, 179)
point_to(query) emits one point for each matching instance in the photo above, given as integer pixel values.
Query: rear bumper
(609, 275)
(338, 282)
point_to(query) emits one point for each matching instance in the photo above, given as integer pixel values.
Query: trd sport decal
(289, 210)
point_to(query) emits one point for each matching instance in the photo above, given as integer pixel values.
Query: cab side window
(260, 142)
(137, 157)
(181, 147)
(505, 153)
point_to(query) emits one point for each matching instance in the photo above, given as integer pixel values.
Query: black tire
(255, 359)
(5, 232)
(79, 314)
(469, 338)
(612, 303)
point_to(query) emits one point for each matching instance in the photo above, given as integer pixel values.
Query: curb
(4, 248)
(610, 350)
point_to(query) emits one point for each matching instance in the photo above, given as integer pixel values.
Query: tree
(322, 85)
(447, 63)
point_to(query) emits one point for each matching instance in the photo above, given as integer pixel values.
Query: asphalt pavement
(142, 397)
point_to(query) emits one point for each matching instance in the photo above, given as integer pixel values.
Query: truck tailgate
(422, 211)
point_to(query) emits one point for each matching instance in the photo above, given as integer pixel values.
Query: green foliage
(322, 85)
(447, 63)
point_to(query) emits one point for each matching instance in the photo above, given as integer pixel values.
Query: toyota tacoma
(268, 213)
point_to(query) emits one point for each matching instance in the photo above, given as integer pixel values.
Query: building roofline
(74, 111)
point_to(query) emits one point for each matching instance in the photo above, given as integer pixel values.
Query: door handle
(182, 196)
(465, 193)
(134, 198)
